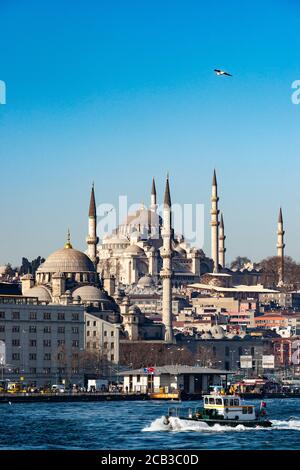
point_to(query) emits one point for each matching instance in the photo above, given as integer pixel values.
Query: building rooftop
(176, 370)
(259, 288)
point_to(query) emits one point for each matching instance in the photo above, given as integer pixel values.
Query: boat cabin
(229, 407)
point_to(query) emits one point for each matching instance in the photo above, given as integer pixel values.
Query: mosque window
(47, 316)
(32, 316)
(60, 316)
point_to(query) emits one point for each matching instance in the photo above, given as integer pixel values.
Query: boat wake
(181, 425)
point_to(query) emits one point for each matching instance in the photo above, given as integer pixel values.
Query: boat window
(236, 402)
(218, 401)
(226, 401)
(212, 401)
(206, 400)
(250, 410)
(231, 402)
(245, 410)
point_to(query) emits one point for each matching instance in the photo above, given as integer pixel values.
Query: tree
(239, 263)
(145, 354)
(30, 266)
(270, 272)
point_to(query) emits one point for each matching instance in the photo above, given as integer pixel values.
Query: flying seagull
(221, 72)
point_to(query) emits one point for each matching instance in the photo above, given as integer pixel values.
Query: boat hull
(229, 422)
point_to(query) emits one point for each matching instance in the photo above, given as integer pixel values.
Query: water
(137, 425)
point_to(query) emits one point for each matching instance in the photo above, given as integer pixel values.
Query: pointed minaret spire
(215, 224)
(222, 248)
(280, 249)
(92, 239)
(153, 189)
(166, 273)
(214, 180)
(92, 208)
(167, 198)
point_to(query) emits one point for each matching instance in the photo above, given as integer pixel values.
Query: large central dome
(67, 260)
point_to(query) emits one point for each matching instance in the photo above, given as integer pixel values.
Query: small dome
(134, 250)
(67, 260)
(145, 282)
(217, 331)
(40, 292)
(206, 336)
(134, 309)
(89, 293)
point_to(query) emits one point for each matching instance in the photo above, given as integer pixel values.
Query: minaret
(92, 239)
(166, 272)
(153, 215)
(222, 248)
(214, 224)
(153, 206)
(280, 249)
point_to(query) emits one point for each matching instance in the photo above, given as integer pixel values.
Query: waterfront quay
(70, 397)
(6, 398)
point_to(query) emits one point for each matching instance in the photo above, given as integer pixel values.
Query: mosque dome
(40, 292)
(217, 331)
(145, 282)
(206, 336)
(135, 310)
(67, 260)
(134, 250)
(89, 293)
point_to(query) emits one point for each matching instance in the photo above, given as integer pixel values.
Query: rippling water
(137, 425)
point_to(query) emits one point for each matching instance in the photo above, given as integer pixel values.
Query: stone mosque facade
(133, 250)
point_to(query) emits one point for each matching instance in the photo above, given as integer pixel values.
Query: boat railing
(183, 412)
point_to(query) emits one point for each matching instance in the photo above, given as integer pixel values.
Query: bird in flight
(222, 72)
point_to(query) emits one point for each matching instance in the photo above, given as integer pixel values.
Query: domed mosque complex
(68, 276)
(141, 259)
(133, 250)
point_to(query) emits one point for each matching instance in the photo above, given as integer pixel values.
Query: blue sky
(119, 91)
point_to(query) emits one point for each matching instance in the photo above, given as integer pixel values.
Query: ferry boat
(224, 410)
